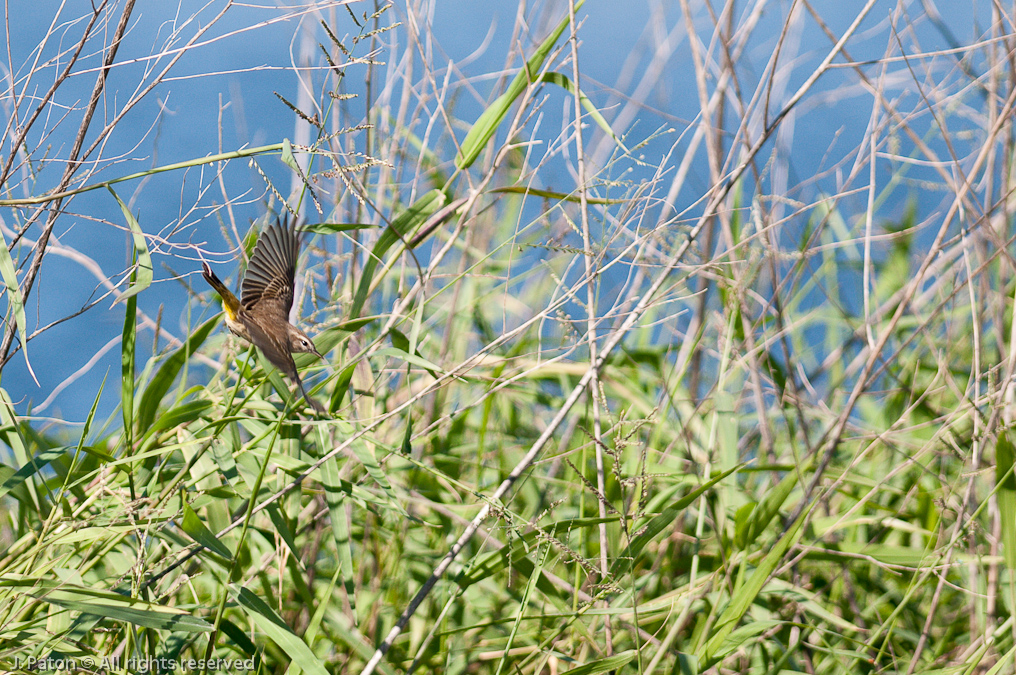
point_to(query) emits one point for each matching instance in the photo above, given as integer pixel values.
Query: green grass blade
(557, 196)
(109, 605)
(336, 228)
(335, 497)
(524, 601)
(562, 81)
(15, 301)
(660, 522)
(127, 347)
(401, 228)
(491, 118)
(1006, 480)
(157, 388)
(34, 466)
(272, 625)
(745, 595)
(196, 530)
(141, 277)
(606, 664)
(769, 507)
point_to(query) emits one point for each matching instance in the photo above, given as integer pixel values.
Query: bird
(261, 315)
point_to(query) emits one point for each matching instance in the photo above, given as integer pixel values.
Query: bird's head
(300, 342)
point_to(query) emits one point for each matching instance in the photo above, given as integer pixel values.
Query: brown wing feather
(273, 342)
(272, 269)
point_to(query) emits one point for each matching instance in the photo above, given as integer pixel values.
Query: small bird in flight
(261, 315)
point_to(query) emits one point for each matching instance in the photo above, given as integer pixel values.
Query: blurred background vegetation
(674, 351)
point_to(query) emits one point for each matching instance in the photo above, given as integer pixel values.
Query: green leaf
(558, 196)
(1006, 480)
(282, 528)
(37, 464)
(109, 605)
(341, 387)
(187, 411)
(327, 339)
(365, 454)
(11, 434)
(562, 81)
(741, 524)
(491, 118)
(769, 507)
(401, 229)
(127, 345)
(1002, 665)
(166, 375)
(143, 615)
(141, 277)
(660, 522)
(242, 642)
(887, 554)
(430, 366)
(15, 301)
(287, 156)
(335, 497)
(87, 428)
(745, 595)
(405, 351)
(227, 466)
(196, 530)
(275, 628)
(742, 635)
(606, 664)
(399, 340)
(521, 611)
(336, 228)
(407, 438)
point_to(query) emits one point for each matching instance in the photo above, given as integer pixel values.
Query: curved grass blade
(166, 375)
(401, 228)
(127, 353)
(1006, 481)
(336, 228)
(34, 466)
(562, 81)
(605, 665)
(196, 529)
(557, 196)
(335, 497)
(272, 625)
(15, 301)
(109, 605)
(745, 595)
(659, 522)
(491, 118)
(142, 275)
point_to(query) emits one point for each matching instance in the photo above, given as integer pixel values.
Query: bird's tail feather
(229, 301)
(313, 403)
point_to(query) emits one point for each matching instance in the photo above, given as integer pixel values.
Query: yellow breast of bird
(235, 324)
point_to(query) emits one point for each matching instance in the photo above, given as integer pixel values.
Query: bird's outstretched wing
(272, 270)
